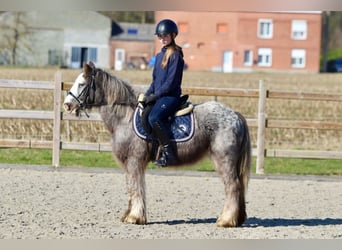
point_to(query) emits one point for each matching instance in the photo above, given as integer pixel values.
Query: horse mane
(118, 93)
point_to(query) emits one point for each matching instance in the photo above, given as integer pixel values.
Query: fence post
(67, 125)
(261, 129)
(56, 146)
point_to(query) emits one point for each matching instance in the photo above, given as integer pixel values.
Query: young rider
(165, 90)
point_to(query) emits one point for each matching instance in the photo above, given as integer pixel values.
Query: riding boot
(167, 154)
(167, 158)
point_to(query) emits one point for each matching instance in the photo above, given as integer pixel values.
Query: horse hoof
(134, 220)
(226, 223)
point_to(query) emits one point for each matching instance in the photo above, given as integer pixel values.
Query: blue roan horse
(220, 133)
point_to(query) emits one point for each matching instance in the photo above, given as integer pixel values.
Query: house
(248, 41)
(132, 45)
(65, 38)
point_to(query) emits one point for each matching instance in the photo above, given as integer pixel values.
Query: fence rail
(261, 121)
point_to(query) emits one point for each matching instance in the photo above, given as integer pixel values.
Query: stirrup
(165, 159)
(160, 162)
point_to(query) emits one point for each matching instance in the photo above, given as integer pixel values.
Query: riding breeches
(162, 109)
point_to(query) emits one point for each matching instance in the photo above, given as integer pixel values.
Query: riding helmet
(166, 26)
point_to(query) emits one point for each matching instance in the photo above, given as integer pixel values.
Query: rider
(165, 90)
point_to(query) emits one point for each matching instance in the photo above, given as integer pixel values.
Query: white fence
(261, 122)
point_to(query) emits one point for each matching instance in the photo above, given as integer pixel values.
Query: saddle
(181, 123)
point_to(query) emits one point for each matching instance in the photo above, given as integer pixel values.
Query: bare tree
(15, 35)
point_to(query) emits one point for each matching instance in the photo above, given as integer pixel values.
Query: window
(54, 57)
(79, 55)
(183, 27)
(298, 58)
(248, 58)
(221, 28)
(299, 30)
(75, 54)
(265, 28)
(92, 54)
(265, 57)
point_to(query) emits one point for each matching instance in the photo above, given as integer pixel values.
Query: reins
(131, 104)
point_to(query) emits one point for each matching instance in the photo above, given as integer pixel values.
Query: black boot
(167, 155)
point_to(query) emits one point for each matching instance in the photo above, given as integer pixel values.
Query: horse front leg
(135, 181)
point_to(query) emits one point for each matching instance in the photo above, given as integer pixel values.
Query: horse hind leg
(234, 210)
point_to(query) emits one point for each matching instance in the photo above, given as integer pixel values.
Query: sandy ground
(39, 202)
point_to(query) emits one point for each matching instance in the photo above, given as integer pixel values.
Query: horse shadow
(261, 222)
(276, 222)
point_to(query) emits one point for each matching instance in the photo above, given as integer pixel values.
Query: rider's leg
(168, 156)
(163, 108)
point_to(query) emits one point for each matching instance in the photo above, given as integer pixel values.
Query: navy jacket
(167, 81)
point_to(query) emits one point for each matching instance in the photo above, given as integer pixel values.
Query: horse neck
(120, 99)
(114, 90)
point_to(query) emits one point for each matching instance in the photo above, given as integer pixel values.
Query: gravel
(40, 202)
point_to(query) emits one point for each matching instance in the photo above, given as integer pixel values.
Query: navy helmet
(166, 26)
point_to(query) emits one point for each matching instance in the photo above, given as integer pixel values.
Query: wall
(204, 46)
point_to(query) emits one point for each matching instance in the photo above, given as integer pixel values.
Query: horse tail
(245, 157)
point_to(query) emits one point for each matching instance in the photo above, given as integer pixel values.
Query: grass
(105, 160)
(335, 53)
(67, 157)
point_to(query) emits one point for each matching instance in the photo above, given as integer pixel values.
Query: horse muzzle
(71, 107)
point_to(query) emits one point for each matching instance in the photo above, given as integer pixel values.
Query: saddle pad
(182, 127)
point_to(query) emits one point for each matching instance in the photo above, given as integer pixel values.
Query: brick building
(248, 41)
(131, 45)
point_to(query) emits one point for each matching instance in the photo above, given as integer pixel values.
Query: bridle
(88, 96)
(88, 101)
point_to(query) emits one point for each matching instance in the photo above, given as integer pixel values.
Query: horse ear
(91, 64)
(87, 69)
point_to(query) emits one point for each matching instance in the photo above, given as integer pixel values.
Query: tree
(331, 37)
(335, 29)
(325, 39)
(15, 35)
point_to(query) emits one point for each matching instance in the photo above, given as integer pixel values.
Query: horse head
(83, 91)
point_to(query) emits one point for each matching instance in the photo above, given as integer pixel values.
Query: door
(81, 55)
(227, 66)
(119, 59)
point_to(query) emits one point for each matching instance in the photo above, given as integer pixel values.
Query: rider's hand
(150, 99)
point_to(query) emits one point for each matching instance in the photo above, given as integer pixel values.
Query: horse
(220, 133)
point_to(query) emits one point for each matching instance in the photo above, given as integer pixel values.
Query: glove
(150, 99)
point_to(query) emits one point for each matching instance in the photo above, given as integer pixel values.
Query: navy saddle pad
(182, 127)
